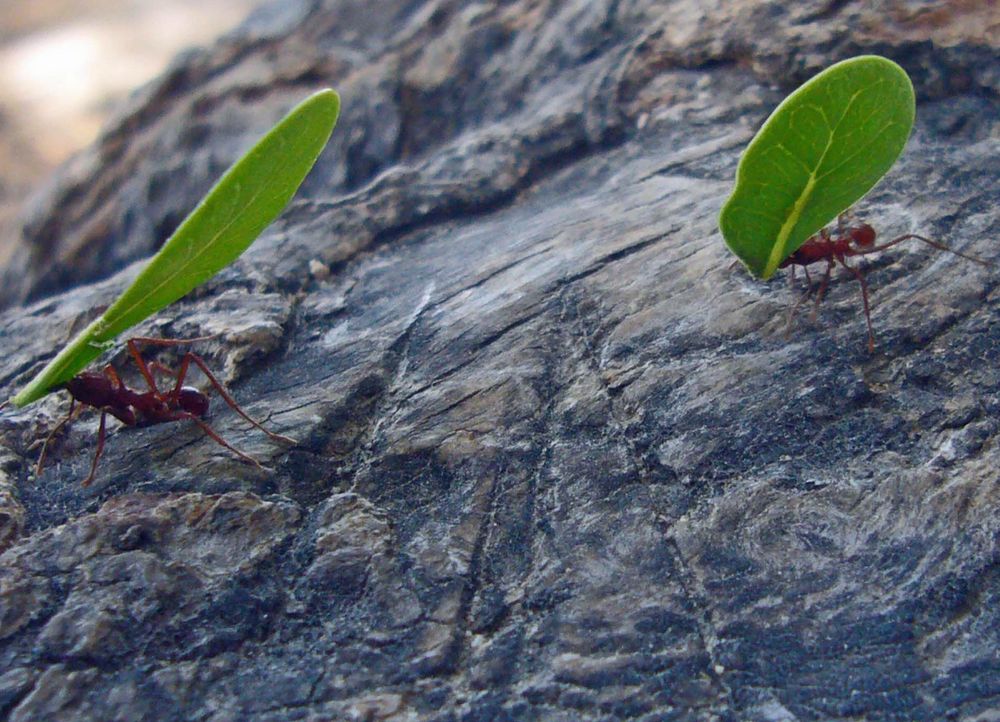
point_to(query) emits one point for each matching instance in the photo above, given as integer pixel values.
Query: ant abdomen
(193, 401)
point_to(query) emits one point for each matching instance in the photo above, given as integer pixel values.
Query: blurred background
(65, 64)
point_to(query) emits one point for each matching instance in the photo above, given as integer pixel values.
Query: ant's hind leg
(795, 306)
(823, 285)
(101, 435)
(74, 410)
(864, 297)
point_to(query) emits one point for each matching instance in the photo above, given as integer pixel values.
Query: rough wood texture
(558, 459)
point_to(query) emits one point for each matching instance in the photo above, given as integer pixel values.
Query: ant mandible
(106, 391)
(848, 240)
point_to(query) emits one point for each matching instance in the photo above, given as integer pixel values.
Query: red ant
(105, 391)
(848, 240)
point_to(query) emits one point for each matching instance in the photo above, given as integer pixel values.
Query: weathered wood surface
(557, 458)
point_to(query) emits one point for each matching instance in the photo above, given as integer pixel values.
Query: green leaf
(247, 198)
(821, 150)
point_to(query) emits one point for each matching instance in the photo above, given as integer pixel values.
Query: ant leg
(163, 369)
(928, 241)
(843, 218)
(155, 341)
(809, 282)
(795, 306)
(101, 434)
(864, 296)
(216, 438)
(74, 410)
(188, 357)
(133, 350)
(110, 372)
(823, 285)
(805, 270)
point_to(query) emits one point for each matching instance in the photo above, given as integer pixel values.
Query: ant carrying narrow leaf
(834, 248)
(106, 392)
(247, 198)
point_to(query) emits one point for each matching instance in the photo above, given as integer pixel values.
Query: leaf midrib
(778, 250)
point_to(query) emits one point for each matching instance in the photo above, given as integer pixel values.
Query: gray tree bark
(558, 458)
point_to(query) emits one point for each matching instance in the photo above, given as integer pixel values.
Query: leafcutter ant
(848, 239)
(104, 390)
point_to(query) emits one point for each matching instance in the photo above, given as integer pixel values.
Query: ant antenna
(929, 242)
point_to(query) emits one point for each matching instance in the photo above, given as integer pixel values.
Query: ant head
(863, 235)
(193, 401)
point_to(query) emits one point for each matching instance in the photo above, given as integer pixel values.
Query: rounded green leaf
(821, 150)
(248, 197)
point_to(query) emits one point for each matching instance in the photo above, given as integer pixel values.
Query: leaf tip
(327, 99)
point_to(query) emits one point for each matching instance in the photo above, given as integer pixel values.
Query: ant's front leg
(843, 221)
(200, 363)
(928, 241)
(133, 350)
(179, 415)
(144, 368)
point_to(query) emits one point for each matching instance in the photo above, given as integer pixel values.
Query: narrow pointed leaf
(820, 151)
(248, 197)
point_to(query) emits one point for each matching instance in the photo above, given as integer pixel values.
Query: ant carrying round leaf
(821, 150)
(245, 200)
